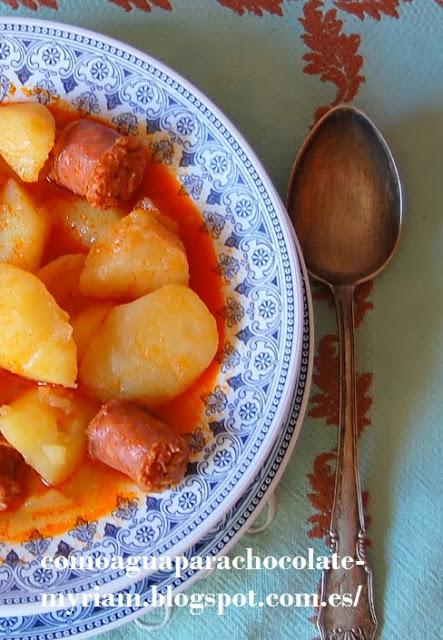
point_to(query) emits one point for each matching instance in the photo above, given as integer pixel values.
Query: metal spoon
(345, 202)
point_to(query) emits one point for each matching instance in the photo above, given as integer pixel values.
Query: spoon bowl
(345, 199)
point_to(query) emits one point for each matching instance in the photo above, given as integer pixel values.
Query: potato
(27, 134)
(52, 500)
(152, 349)
(82, 222)
(86, 322)
(62, 279)
(47, 426)
(23, 228)
(134, 256)
(35, 335)
(146, 204)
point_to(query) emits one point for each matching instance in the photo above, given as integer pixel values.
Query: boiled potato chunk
(82, 222)
(134, 256)
(62, 279)
(27, 133)
(152, 349)
(52, 500)
(23, 228)
(35, 335)
(146, 204)
(47, 426)
(86, 322)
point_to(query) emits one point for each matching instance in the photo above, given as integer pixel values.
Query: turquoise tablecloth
(271, 65)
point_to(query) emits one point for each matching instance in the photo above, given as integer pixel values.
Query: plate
(90, 621)
(257, 258)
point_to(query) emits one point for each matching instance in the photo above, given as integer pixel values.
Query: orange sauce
(93, 490)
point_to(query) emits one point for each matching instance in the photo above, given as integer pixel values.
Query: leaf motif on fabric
(333, 54)
(143, 5)
(362, 303)
(31, 4)
(325, 403)
(375, 9)
(322, 482)
(257, 7)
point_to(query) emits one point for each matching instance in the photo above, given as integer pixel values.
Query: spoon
(345, 202)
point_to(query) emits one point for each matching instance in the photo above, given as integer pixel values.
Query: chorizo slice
(125, 437)
(96, 162)
(11, 468)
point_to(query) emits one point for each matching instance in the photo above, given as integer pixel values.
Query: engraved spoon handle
(351, 617)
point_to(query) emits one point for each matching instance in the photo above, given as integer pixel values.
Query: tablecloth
(274, 66)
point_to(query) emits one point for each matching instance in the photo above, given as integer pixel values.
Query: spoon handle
(350, 615)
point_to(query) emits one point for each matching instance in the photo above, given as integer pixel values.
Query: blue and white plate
(90, 621)
(257, 257)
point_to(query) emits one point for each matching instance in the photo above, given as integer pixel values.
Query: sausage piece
(98, 163)
(125, 437)
(11, 467)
